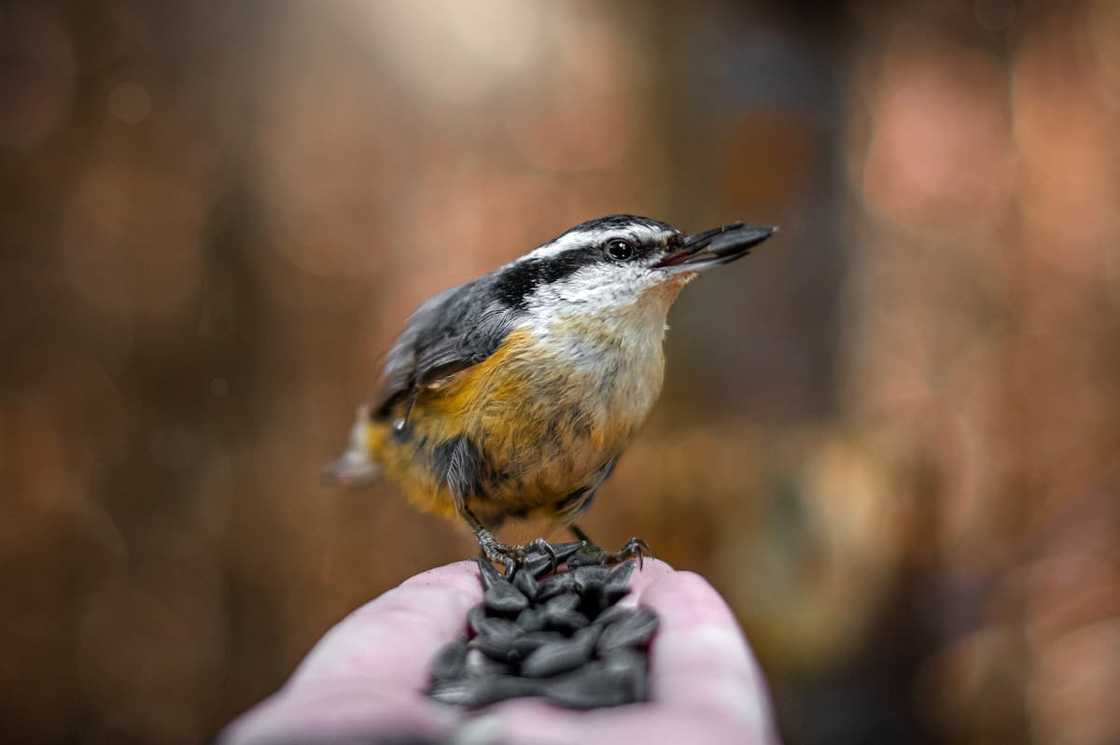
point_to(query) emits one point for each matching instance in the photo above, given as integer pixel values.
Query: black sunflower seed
(614, 614)
(499, 650)
(561, 656)
(634, 630)
(528, 643)
(475, 617)
(475, 692)
(560, 603)
(563, 636)
(487, 573)
(632, 667)
(566, 620)
(536, 564)
(505, 599)
(565, 551)
(617, 584)
(496, 627)
(590, 687)
(450, 660)
(476, 663)
(495, 639)
(589, 580)
(586, 556)
(500, 597)
(527, 584)
(531, 619)
(555, 585)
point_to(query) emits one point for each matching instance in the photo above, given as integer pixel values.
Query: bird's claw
(539, 554)
(592, 555)
(513, 557)
(634, 548)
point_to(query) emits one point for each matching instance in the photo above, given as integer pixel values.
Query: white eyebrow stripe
(569, 241)
(576, 239)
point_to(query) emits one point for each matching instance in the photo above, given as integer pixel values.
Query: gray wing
(450, 332)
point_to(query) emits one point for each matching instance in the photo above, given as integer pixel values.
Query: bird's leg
(509, 556)
(593, 554)
(498, 552)
(579, 535)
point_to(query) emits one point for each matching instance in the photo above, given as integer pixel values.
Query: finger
(390, 641)
(700, 660)
(328, 716)
(650, 572)
(365, 674)
(534, 722)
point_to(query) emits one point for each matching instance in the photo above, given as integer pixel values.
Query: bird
(514, 395)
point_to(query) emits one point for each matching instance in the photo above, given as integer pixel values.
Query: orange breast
(541, 429)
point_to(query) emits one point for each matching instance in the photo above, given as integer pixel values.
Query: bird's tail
(355, 467)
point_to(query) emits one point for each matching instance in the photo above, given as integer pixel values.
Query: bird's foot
(501, 553)
(635, 548)
(592, 555)
(536, 556)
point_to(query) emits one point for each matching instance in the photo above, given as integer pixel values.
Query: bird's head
(614, 263)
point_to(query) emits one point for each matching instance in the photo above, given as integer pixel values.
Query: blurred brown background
(890, 437)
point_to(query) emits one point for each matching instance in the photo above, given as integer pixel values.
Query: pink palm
(366, 676)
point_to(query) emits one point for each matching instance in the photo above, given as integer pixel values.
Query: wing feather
(454, 330)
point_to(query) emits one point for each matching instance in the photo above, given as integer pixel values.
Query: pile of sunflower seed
(560, 635)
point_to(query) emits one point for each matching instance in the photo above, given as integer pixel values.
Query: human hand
(365, 679)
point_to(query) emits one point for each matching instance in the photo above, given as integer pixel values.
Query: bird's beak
(714, 247)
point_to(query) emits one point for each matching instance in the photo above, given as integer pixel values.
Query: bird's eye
(620, 250)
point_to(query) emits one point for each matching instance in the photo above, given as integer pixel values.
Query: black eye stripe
(514, 285)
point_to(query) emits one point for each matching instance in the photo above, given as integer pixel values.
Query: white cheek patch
(593, 291)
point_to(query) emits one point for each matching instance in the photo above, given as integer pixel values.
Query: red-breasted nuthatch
(515, 394)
